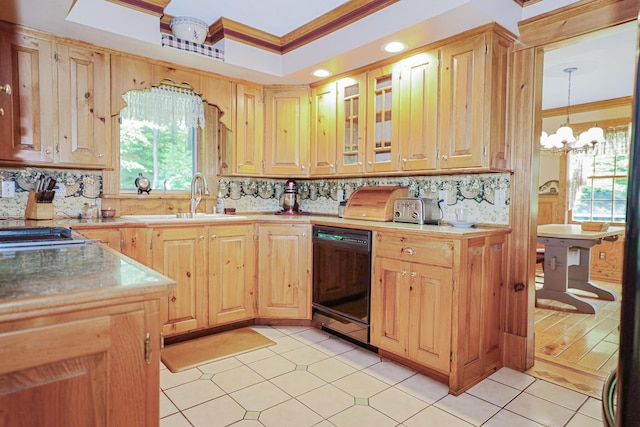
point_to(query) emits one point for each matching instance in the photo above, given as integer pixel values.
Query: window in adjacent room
(158, 136)
(599, 179)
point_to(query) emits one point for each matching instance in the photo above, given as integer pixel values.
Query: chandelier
(564, 140)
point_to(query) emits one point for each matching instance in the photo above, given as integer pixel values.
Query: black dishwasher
(342, 281)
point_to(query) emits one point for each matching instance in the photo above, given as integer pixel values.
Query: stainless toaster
(416, 210)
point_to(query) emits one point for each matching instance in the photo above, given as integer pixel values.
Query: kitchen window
(598, 179)
(158, 137)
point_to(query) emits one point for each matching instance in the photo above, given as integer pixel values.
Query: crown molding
(328, 23)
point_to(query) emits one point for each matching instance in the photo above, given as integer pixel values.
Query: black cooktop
(13, 237)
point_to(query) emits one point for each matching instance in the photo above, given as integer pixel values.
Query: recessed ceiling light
(321, 73)
(394, 47)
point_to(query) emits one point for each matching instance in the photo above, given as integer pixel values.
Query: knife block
(37, 210)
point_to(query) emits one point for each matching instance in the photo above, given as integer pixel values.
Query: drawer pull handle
(408, 251)
(403, 273)
(6, 89)
(147, 348)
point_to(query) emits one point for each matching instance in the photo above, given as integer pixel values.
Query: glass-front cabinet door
(382, 130)
(351, 120)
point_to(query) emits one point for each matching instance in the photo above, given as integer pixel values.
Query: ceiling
(283, 41)
(605, 63)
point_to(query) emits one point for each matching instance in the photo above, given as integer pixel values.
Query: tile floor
(311, 378)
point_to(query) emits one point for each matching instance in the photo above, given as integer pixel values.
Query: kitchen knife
(38, 184)
(49, 193)
(51, 184)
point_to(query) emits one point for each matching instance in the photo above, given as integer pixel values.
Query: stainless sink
(182, 217)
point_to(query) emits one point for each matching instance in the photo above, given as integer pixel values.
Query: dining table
(567, 258)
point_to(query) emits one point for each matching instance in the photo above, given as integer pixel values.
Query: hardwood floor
(577, 350)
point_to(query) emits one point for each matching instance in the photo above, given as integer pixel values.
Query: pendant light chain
(569, 70)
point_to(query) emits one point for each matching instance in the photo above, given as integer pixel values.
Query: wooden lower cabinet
(180, 253)
(284, 271)
(438, 303)
(231, 274)
(108, 236)
(479, 312)
(411, 303)
(87, 368)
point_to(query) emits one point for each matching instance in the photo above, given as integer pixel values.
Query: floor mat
(187, 354)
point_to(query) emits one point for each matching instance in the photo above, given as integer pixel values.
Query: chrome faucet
(203, 188)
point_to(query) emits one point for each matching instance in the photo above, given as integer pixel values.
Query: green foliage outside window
(603, 197)
(164, 154)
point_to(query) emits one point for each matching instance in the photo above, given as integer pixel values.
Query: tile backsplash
(475, 193)
(74, 188)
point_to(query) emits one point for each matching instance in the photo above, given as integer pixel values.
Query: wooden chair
(540, 257)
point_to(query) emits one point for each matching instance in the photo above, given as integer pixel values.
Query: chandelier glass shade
(564, 139)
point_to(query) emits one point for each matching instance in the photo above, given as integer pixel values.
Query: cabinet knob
(6, 89)
(239, 165)
(403, 273)
(214, 237)
(201, 237)
(48, 151)
(302, 167)
(100, 155)
(332, 166)
(414, 274)
(369, 162)
(404, 160)
(444, 157)
(408, 251)
(1, 111)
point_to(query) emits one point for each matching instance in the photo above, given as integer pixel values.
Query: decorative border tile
(74, 189)
(476, 193)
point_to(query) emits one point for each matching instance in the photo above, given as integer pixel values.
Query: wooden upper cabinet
(418, 121)
(127, 74)
(473, 102)
(323, 129)
(383, 86)
(26, 115)
(461, 103)
(287, 131)
(351, 124)
(245, 155)
(178, 75)
(219, 92)
(338, 112)
(83, 106)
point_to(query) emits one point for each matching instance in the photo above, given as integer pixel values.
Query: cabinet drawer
(418, 249)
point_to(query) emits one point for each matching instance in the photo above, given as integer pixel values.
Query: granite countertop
(330, 220)
(32, 279)
(53, 277)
